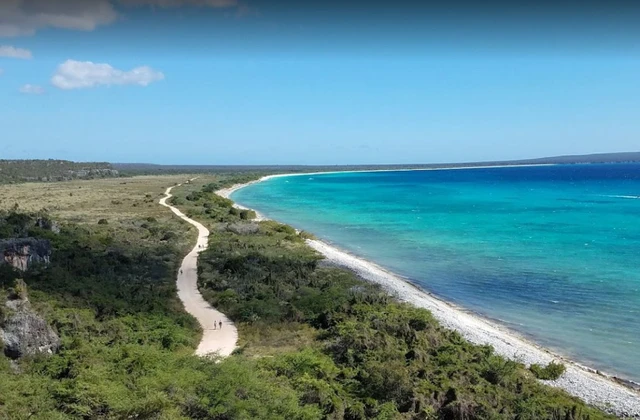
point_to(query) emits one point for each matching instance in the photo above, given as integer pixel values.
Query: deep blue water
(552, 251)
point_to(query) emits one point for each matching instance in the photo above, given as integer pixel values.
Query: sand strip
(215, 340)
(595, 388)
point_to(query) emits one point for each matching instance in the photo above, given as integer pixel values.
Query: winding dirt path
(220, 341)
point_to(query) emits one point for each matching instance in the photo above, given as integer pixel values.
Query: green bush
(19, 290)
(306, 235)
(103, 222)
(176, 201)
(169, 235)
(247, 214)
(551, 372)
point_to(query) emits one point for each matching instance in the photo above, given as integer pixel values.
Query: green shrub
(194, 196)
(551, 372)
(176, 201)
(20, 289)
(306, 235)
(247, 214)
(169, 235)
(103, 222)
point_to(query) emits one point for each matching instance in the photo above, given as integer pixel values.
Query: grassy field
(91, 200)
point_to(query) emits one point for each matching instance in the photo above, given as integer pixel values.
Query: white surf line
(593, 387)
(215, 340)
(226, 192)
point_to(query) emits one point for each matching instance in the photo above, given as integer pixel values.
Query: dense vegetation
(127, 346)
(316, 342)
(348, 348)
(52, 170)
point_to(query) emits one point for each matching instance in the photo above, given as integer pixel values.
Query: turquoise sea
(551, 251)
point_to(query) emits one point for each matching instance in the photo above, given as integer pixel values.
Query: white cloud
(84, 74)
(13, 52)
(32, 89)
(25, 17)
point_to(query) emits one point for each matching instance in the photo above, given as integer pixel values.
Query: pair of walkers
(218, 323)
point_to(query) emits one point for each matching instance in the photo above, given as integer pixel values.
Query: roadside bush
(176, 201)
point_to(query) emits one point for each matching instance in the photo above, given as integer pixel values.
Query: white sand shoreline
(592, 386)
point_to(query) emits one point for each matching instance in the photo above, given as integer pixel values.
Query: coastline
(594, 387)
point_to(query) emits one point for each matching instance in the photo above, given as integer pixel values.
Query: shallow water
(552, 251)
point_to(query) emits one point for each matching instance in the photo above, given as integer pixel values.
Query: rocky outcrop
(23, 253)
(241, 228)
(25, 333)
(47, 224)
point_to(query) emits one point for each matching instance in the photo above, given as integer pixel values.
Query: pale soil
(214, 340)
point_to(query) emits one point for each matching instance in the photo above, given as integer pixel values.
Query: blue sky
(222, 82)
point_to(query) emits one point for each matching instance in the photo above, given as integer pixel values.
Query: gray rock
(243, 228)
(47, 224)
(22, 253)
(25, 333)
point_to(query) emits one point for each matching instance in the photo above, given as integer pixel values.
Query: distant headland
(137, 168)
(46, 170)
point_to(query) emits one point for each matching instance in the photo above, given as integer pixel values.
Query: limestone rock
(22, 253)
(47, 224)
(25, 333)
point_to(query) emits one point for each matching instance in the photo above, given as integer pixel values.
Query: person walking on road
(220, 324)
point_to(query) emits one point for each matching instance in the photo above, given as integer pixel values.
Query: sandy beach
(581, 381)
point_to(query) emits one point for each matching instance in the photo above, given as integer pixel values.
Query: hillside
(623, 157)
(12, 171)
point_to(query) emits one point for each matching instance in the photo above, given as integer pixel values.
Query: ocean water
(553, 252)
